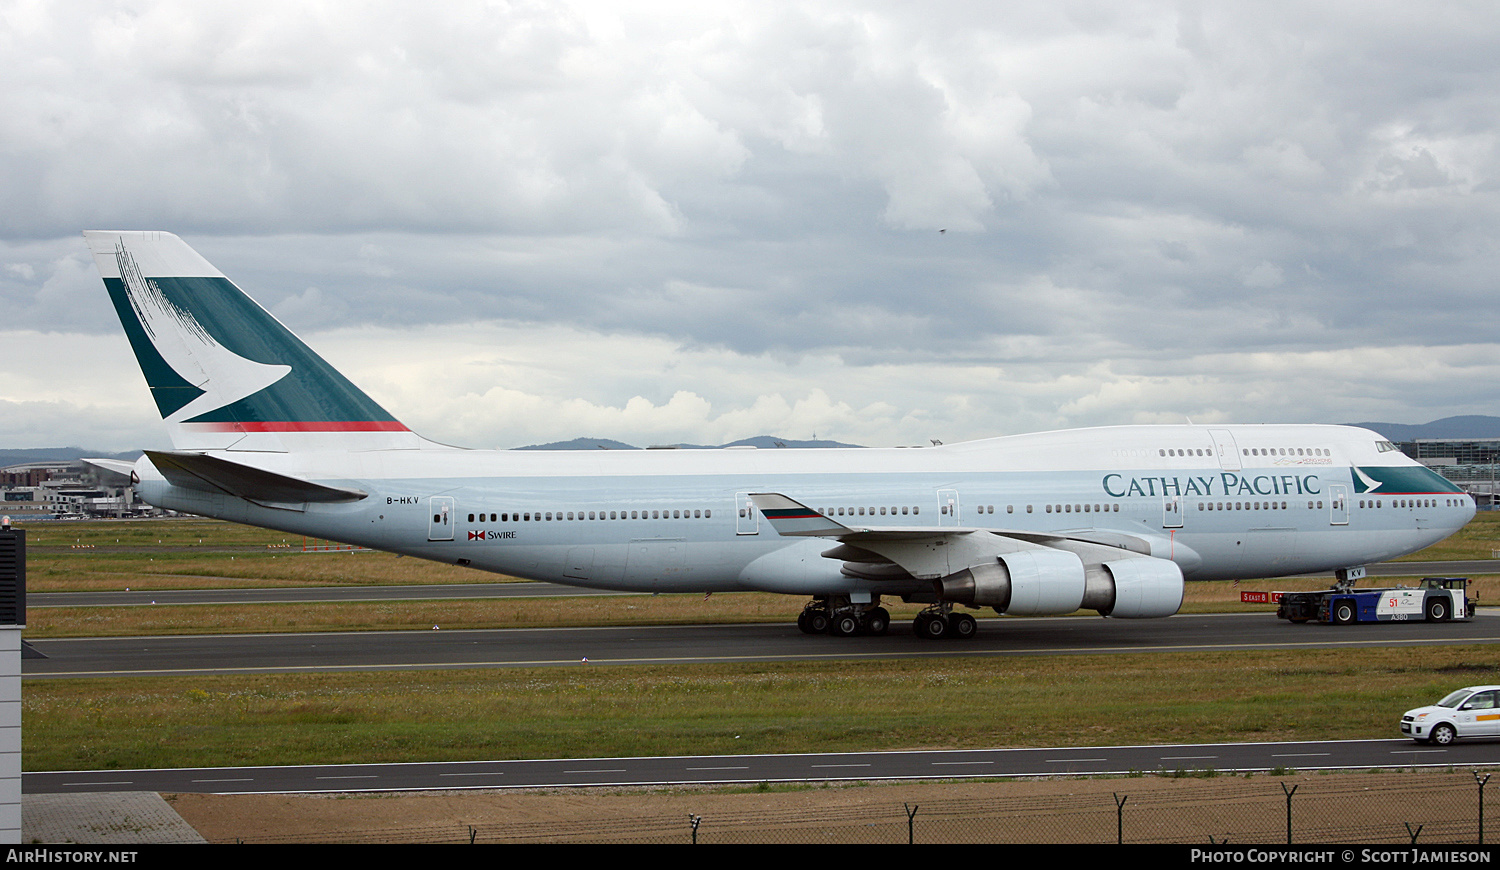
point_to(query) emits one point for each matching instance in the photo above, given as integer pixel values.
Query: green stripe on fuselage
(1399, 480)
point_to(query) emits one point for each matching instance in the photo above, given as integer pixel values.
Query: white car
(1469, 712)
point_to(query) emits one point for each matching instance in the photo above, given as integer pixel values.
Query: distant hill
(1472, 426)
(582, 444)
(1475, 426)
(763, 441)
(771, 443)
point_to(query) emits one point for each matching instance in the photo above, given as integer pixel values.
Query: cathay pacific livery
(1112, 519)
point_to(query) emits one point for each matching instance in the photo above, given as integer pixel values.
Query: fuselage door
(947, 507)
(1171, 511)
(580, 563)
(440, 527)
(1338, 504)
(1229, 453)
(746, 517)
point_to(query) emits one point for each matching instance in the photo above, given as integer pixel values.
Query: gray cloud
(970, 218)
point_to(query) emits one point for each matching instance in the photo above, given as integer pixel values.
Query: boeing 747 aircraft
(1112, 519)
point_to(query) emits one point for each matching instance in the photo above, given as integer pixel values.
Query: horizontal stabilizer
(212, 474)
(113, 466)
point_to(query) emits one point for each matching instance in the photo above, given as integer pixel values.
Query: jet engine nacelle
(1028, 583)
(1042, 582)
(1140, 588)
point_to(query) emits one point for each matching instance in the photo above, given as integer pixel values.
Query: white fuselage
(1220, 502)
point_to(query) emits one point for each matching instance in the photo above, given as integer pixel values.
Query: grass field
(192, 553)
(625, 710)
(590, 711)
(207, 554)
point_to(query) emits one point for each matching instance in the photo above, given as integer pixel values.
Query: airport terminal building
(67, 490)
(1472, 464)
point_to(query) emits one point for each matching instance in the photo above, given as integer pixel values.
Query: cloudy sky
(695, 222)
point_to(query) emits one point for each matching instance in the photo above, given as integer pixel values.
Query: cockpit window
(1385, 446)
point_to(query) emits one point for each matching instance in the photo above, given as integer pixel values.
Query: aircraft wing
(1019, 572)
(211, 474)
(924, 552)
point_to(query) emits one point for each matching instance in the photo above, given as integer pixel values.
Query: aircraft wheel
(963, 625)
(813, 621)
(844, 625)
(933, 626)
(877, 621)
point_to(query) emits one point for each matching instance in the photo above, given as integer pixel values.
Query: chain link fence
(1380, 809)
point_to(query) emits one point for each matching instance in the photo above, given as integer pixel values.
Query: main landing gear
(939, 622)
(841, 618)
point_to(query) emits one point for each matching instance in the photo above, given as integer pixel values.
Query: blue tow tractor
(1435, 599)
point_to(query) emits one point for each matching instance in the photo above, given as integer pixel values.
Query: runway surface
(305, 595)
(602, 647)
(728, 769)
(599, 647)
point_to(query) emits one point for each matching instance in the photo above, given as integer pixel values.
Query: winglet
(795, 519)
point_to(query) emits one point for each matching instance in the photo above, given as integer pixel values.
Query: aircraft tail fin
(225, 373)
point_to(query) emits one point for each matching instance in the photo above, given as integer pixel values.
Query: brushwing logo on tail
(188, 348)
(220, 367)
